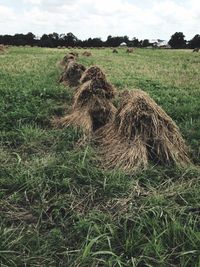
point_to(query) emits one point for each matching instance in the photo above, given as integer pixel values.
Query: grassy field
(57, 208)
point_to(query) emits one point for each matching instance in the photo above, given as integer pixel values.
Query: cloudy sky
(100, 18)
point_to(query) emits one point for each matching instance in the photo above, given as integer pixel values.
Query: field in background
(57, 208)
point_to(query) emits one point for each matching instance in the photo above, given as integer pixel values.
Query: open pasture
(57, 207)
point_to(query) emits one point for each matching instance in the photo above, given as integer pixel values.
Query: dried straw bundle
(87, 53)
(129, 50)
(75, 54)
(98, 87)
(92, 108)
(67, 59)
(92, 73)
(79, 118)
(141, 131)
(2, 49)
(196, 49)
(72, 74)
(117, 152)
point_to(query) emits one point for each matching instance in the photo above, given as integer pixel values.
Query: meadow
(57, 206)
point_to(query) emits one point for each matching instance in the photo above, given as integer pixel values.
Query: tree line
(52, 40)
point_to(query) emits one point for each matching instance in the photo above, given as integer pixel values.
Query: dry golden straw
(129, 50)
(75, 54)
(87, 53)
(92, 107)
(72, 74)
(67, 59)
(93, 72)
(141, 131)
(3, 48)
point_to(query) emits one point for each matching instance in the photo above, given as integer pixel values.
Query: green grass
(57, 208)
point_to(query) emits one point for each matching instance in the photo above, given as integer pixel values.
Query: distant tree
(116, 40)
(24, 39)
(54, 39)
(145, 43)
(135, 42)
(177, 40)
(126, 39)
(61, 40)
(47, 40)
(194, 42)
(70, 39)
(30, 38)
(7, 40)
(94, 42)
(55, 36)
(110, 41)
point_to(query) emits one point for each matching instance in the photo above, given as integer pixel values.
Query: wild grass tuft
(57, 206)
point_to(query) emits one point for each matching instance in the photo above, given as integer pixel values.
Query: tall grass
(57, 207)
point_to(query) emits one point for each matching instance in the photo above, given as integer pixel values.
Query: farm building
(123, 44)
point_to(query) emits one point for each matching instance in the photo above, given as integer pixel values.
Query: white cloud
(5, 13)
(99, 18)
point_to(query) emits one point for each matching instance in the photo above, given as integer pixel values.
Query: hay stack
(92, 73)
(2, 49)
(99, 87)
(87, 53)
(92, 107)
(75, 54)
(141, 131)
(196, 49)
(129, 50)
(67, 59)
(96, 75)
(72, 74)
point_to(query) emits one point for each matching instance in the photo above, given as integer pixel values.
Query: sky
(144, 19)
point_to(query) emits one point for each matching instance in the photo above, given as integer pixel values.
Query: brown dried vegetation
(72, 74)
(129, 50)
(87, 54)
(141, 131)
(92, 107)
